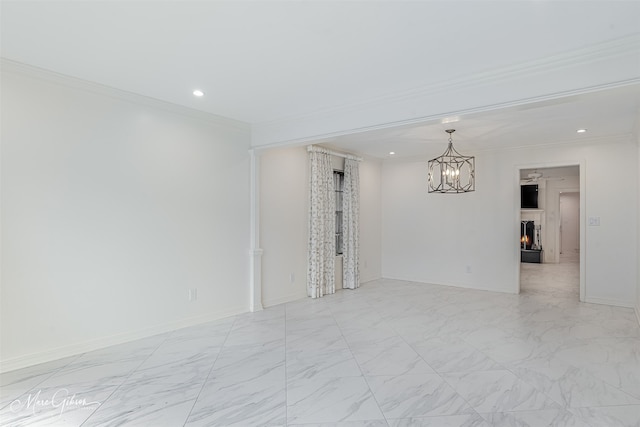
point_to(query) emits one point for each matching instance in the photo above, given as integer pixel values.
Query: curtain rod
(333, 153)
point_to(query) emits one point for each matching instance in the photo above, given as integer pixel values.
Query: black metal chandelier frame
(452, 172)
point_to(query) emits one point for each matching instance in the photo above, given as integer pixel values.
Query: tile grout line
(437, 373)
(286, 377)
(535, 323)
(358, 363)
(54, 372)
(125, 380)
(508, 367)
(195, 400)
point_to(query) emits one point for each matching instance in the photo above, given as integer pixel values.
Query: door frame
(559, 231)
(583, 222)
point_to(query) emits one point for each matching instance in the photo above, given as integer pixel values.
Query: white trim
(285, 299)
(9, 66)
(608, 301)
(601, 67)
(450, 285)
(255, 253)
(373, 279)
(260, 141)
(583, 230)
(255, 280)
(99, 343)
(333, 153)
(608, 50)
(637, 310)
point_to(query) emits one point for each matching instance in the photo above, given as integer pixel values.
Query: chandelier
(452, 172)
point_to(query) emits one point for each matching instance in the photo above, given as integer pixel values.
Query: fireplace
(530, 244)
(527, 229)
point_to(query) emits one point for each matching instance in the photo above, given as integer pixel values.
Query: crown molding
(599, 140)
(603, 51)
(613, 54)
(10, 66)
(438, 117)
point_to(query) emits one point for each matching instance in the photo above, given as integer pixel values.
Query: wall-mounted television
(529, 196)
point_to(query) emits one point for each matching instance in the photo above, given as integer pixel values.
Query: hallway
(556, 280)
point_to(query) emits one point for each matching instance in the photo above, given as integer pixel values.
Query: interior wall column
(255, 261)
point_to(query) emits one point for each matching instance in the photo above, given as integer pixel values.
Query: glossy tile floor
(391, 353)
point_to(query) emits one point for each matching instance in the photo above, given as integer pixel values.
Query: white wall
(284, 205)
(370, 220)
(434, 237)
(284, 222)
(111, 210)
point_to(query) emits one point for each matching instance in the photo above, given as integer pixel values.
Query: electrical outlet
(292, 278)
(193, 294)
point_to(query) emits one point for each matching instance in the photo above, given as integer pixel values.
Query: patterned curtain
(351, 214)
(322, 211)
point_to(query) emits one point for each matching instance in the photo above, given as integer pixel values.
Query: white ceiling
(609, 113)
(264, 61)
(553, 173)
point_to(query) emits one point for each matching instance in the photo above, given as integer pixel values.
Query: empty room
(320, 213)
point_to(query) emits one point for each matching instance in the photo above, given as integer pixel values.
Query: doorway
(556, 271)
(569, 226)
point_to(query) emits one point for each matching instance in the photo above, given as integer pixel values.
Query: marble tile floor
(560, 280)
(391, 353)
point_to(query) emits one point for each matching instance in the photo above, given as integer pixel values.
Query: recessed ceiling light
(581, 130)
(452, 119)
(198, 93)
(392, 153)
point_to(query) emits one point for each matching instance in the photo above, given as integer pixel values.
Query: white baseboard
(300, 295)
(369, 279)
(459, 285)
(283, 300)
(98, 343)
(296, 296)
(591, 300)
(607, 301)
